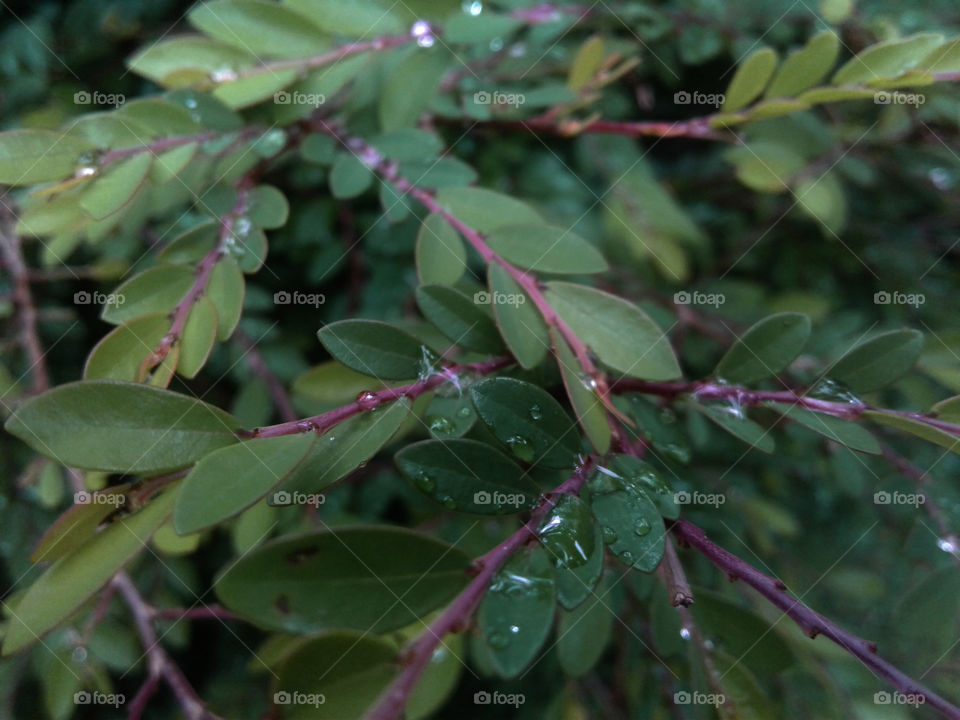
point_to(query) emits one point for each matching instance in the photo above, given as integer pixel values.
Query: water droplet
(190, 103)
(641, 527)
(463, 412)
(423, 32)
(609, 535)
(305, 426)
(518, 50)
(828, 389)
(567, 533)
(947, 544)
(535, 412)
(79, 655)
(439, 425)
(684, 633)
(85, 171)
(521, 448)
(223, 74)
(514, 629)
(940, 178)
(472, 7)
(367, 400)
(496, 44)
(242, 227)
(627, 556)
(448, 502)
(425, 482)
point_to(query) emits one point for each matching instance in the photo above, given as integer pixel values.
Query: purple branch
(810, 621)
(456, 617)
(369, 400)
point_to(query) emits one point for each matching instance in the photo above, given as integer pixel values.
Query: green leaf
(158, 289)
(485, 210)
(842, 431)
(822, 198)
(440, 254)
(527, 420)
(371, 18)
(253, 88)
(408, 144)
(226, 290)
(330, 385)
(349, 177)
(460, 318)
(583, 634)
(346, 447)
(117, 187)
(750, 79)
(439, 680)
(120, 353)
(231, 479)
(170, 164)
(765, 349)
(737, 424)
(632, 527)
(887, 59)
(348, 578)
(546, 248)
(410, 87)
(586, 63)
(915, 427)
(450, 417)
(347, 669)
(879, 361)
(121, 427)
(374, 348)
(262, 28)
(806, 67)
(190, 246)
(576, 584)
(518, 319)
(516, 614)
(639, 476)
(567, 533)
(198, 337)
(948, 410)
(944, 59)
(268, 207)
(590, 412)
(468, 476)
(184, 60)
(33, 156)
(621, 334)
(71, 580)
(660, 427)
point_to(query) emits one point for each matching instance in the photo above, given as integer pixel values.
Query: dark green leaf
(765, 349)
(916, 427)
(460, 318)
(468, 476)
(349, 177)
(262, 28)
(584, 633)
(567, 533)
(632, 527)
(527, 420)
(879, 361)
(750, 79)
(590, 412)
(375, 348)
(735, 422)
(574, 585)
(372, 579)
(441, 256)
(520, 323)
(546, 248)
(32, 156)
(842, 431)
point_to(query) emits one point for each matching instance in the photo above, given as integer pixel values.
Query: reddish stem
(457, 616)
(810, 621)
